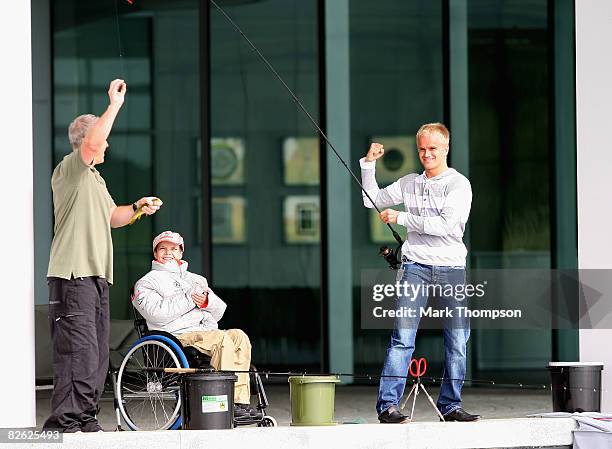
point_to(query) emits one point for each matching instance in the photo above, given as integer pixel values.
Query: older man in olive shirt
(81, 269)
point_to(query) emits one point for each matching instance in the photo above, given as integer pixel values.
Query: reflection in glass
(272, 279)
(153, 143)
(229, 220)
(301, 219)
(397, 84)
(509, 90)
(400, 158)
(301, 160)
(227, 161)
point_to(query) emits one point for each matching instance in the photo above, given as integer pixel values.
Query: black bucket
(576, 386)
(208, 401)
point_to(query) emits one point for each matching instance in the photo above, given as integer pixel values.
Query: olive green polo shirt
(82, 244)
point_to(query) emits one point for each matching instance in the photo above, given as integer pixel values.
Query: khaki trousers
(229, 350)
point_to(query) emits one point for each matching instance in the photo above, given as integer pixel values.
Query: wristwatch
(135, 207)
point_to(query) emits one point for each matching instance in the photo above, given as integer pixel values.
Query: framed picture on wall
(301, 161)
(379, 232)
(301, 217)
(400, 158)
(227, 161)
(229, 219)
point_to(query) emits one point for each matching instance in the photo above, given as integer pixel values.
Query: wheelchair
(147, 398)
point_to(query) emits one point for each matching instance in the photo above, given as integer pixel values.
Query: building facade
(268, 213)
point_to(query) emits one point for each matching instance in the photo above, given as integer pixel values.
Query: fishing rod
(390, 255)
(363, 376)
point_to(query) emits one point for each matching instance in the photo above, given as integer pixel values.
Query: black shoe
(460, 415)
(248, 411)
(392, 416)
(92, 426)
(240, 412)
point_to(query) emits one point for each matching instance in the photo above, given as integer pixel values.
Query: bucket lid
(576, 364)
(313, 379)
(212, 376)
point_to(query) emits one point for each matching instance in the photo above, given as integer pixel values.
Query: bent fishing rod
(391, 256)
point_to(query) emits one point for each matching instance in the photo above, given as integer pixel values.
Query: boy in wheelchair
(174, 300)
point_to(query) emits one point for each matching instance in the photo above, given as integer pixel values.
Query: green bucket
(312, 400)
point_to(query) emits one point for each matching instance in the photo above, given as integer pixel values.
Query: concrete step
(490, 433)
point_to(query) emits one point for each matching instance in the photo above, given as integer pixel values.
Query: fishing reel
(391, 256)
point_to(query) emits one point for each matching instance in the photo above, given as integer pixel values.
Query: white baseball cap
(169, 236)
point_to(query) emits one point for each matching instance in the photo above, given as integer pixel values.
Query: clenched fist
(200, 299)
(116, 92)
(376, 151)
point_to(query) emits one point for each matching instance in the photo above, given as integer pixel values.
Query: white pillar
(18, 403)
(594, 159)
(42, 101)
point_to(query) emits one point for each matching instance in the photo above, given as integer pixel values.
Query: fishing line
(119, 44)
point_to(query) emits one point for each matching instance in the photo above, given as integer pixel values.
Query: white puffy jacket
(163, 298)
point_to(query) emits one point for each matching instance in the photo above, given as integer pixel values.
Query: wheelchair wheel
(149, 399)
(267, 421)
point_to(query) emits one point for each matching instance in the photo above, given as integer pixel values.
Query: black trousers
(80, 324)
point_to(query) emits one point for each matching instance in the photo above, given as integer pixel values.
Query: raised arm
(390, 195)
(94, 144)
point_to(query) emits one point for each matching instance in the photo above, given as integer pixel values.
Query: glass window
(154, 142)
(265, 179)
(398, 52)
(266, 205)
(509, 134)
(397, 84)
(509, 89)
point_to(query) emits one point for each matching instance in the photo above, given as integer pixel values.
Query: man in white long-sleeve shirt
(174, 300)
(437, 205)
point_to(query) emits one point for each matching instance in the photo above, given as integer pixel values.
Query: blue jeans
(401, 347)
